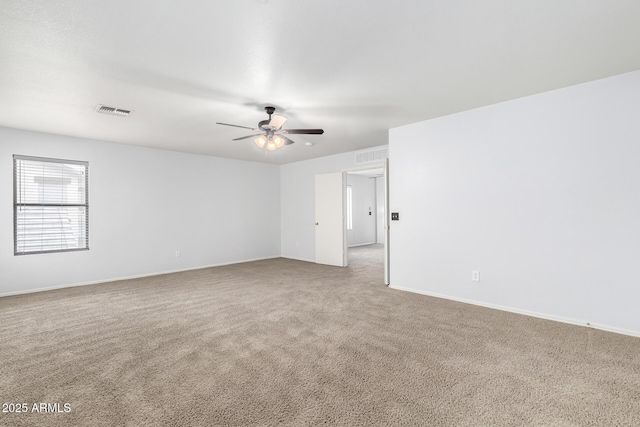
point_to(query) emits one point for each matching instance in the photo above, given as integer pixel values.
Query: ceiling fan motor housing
(264, 124)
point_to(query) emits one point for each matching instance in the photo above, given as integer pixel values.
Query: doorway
(339, 207)
(366, 223)
(365, 207)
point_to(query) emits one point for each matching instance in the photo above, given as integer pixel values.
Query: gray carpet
(283, 342)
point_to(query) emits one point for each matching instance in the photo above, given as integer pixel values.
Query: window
(349, 208)
(50, 205)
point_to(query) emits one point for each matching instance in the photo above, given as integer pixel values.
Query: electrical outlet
(475, 275)
(177, 254)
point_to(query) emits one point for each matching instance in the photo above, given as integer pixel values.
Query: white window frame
(349, 208)
(25, 200)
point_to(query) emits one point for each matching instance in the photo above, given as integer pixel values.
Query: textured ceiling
(355, 68)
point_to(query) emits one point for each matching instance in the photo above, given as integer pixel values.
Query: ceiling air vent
(372, 155)
(112, 111)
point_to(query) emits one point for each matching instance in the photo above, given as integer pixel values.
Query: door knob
(317, 223)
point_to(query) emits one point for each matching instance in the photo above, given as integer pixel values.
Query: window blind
(50, 209)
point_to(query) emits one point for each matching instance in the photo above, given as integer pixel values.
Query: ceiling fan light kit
(273, 142)
(271, 133)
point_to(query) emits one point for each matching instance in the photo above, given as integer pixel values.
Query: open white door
(331, 242)
(387, 227)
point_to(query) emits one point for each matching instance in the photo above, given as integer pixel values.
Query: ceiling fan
(271, 133)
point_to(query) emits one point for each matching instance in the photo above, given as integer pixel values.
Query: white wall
(540, 194)
(297, 192)
(363, 191)
(144, 205)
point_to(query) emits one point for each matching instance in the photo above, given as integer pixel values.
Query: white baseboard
(362, 244)
(298, 259)
(525, 312)
(137, 276)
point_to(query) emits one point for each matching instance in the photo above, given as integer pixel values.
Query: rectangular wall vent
(112, 111)
(372, 155)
